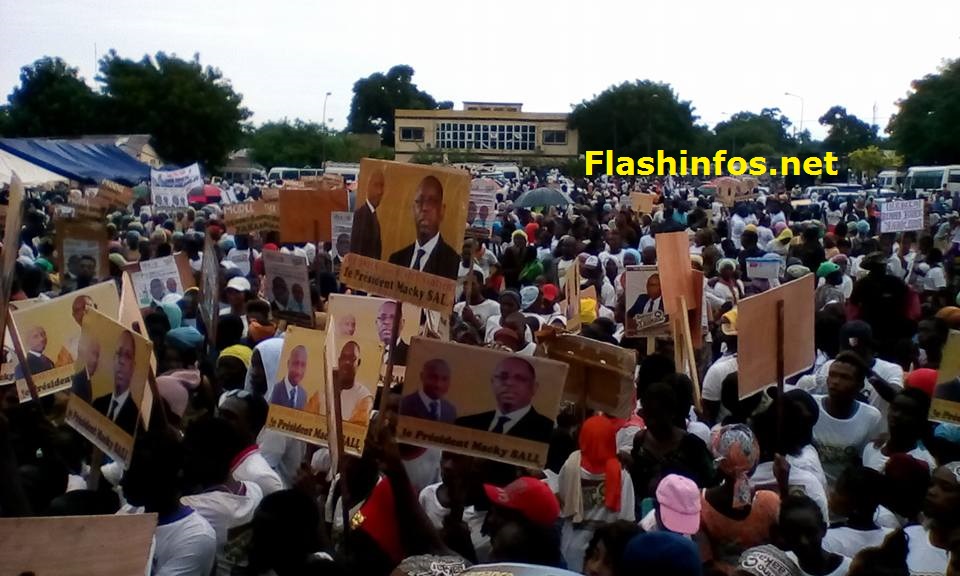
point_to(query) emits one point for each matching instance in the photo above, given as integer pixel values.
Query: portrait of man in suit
(157, 292)
(89, 353)
(365, 234)
(119, 405)
(78, 310)
(37, 362)
(429, 252)
(514, 385)
(288, 392)
(428, 401)
(280, 293)
(651, 300)
(297, 304)
(385, 317)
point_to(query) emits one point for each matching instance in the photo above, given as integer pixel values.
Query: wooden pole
(780, 375)
(22, 359)
(342, 481)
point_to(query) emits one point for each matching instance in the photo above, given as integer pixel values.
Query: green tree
(846, 132)
(51, 100)
(924, 130)
(769, 127)
(302, 144)
(378, 96)
(192, 112)
(872, 159)
(636, 119)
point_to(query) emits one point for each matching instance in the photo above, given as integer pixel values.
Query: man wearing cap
(514, 385)
(521, 523)
(592, 275)
(677, 507)
(829, 292)
(429, 253)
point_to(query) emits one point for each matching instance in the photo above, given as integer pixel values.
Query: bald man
(289, 392)
(428, 401)
(119, 405)
(37, 362)
(429, 253)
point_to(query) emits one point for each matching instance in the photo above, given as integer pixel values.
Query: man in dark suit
(288, 392)
(428, 401)
(429, 253)
(385, 318)
(365, 234)
(37, 362)
(119, 406)
(648, 302)
(514, 384)
(89, 352)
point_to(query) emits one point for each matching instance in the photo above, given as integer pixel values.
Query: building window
(554, 136)
(409, 134)
(456, 136)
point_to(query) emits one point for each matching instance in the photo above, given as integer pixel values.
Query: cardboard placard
(78, 545)
(9, 360)
(418, 217)
(757, 334)
(249, 217)
(600, 375)
(305, 212)
(571, 293)
(397, 282)
(946, 395)
(673, 263)
(210, 290)
(466, 387)
(160, 277)
(92, 208)
(13, 221)
(731, 190)
(50, 334)
(287, 287)
(764, 268)
(901, 216)
(99, 430)
(77, 243)
(297, 393)
(341, 223)
(171, 188)
(482, 208)
(642, 203)
(130, 315)
(3, 218)
(115, 195)
(644, 301)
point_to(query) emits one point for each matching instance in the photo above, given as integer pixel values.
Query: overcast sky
(724, 56)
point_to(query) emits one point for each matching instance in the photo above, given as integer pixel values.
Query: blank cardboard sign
(77, 545)
(757, 334)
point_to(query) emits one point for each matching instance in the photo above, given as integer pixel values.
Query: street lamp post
(323, 144)
(801, 111)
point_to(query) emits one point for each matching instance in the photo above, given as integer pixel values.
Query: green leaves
(924, 130)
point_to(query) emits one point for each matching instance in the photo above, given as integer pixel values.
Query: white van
(891, 179)
(347, 170)
(924, 180)
(286, 173)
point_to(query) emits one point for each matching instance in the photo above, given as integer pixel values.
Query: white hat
(239, 283)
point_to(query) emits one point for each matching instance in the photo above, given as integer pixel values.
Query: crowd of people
(840, 474)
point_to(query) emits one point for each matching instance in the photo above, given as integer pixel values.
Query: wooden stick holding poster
(946, 395)
(676, 278)
(684, 356)
(210, 291)
(11, 245)
(116, 545)
(758, 357)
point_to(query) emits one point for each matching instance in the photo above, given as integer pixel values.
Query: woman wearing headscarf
(725, 288)
(593, 488)
(734, 517)
(232, 367)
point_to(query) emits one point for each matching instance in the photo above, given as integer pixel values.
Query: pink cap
(679, 500)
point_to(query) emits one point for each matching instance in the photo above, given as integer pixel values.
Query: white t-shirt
(923, 558)
(716, 373)
(849, 541)
(889, 371)
(575, 539)
(809, 460)
(801, 482)
(840, 442)
(230, 515)
(841, 570)
(282, 453)
(484, 310)
(253, 467)
(186, 547)
(873, 457)
(934, 280)
(474, 518)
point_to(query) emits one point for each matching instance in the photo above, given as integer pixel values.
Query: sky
(283, 56)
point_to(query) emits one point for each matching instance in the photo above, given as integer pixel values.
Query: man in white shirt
(248, 414)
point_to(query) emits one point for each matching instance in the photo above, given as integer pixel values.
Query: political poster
(9, 362)
(92, 208)
(730, 190)
(642, 203)
(160, 278)
(240, 259)
(297, 393)
(78, 545)
(946, 394)
(757, 336)
(210, 289)
(287, 287)
(571, 296)
(82, 249)
(901, 216)
(482, 207)
(341, 223)
(480, 402)
(766, 267)
(644, 300)
(600, 375)
(408, 217)
(51, 344)
(675, 269)
(115, 195)
(109, 386)
(171, 188)
(305, 210)
(250, 217)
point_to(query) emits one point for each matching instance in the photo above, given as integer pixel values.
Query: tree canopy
(636, 119)
(924, 130)
(376, 97)
(52, 100)
(846, 132)
(872, 159)
(302, 144)
(766, 132)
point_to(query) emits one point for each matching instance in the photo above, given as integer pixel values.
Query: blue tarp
(79, 160)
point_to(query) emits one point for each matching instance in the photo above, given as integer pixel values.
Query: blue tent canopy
(80, 160)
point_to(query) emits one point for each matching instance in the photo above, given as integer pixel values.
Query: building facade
(485, 131)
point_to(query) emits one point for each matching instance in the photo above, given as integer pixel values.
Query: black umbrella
(542, 197)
